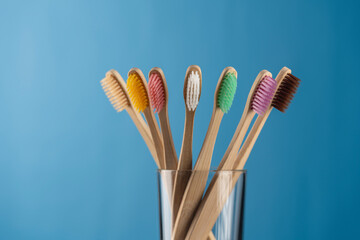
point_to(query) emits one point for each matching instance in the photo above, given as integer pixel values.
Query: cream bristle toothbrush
(208, 211)
(159, 100)
(138, 92)
(224, 95)
(115, 89)
(192, 92)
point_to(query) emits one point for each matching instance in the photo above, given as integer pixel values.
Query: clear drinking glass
(221, 209)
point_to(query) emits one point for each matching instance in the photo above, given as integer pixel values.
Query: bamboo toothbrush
(258, 100)
(286, 89)
(208, 211)
(159, 100)
(224, 95)
(115, 89)
(192, 92)
(138, 92)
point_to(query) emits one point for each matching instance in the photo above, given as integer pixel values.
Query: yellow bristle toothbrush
(138, 92)
(224, 95)
(159, 96)
(211, 205)
(115, 89)
(192, 92)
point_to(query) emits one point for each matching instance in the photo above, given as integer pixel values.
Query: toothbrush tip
(193, 91)
(263, 95)
(157, 92)
(285, 92)
(226, 92)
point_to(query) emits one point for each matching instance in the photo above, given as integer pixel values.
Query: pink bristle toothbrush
(159, 100)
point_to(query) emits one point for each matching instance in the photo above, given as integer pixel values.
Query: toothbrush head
(157, 91)
(137, 90)
(226, 92)
(193, 88)
(263, 95)
(115, 89)
(285, 92)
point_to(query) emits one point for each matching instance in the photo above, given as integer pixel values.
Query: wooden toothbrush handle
(197, 182)
(185, 163)
(171, 159)
(211, 236)
(229, 157)
(144, 132)
(250, 141)
(155, 133)
(215, 198)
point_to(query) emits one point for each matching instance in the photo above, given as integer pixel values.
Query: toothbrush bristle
(157, 92)
(137, 92)
(114, 92)
(226, 92)
(263, 95)
(285, 92)
(193, 91)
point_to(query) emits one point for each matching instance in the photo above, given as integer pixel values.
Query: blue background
(71, 168)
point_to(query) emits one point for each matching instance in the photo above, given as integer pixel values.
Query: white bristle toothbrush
(159, 96)
(211, 205)
(192, 92)
(115, 89)
(224, 95)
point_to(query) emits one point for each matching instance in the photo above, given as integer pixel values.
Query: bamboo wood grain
(151, 121)
(185, 160)
(215, 199)
(211, 236)
(198, 178)
(171, 159)
(135, 116)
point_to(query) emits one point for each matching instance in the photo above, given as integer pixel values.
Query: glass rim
(210, 170)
